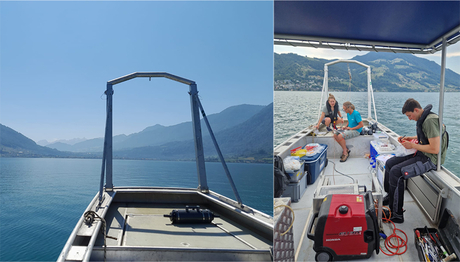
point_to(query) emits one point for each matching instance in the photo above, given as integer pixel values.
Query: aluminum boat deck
(137, 229)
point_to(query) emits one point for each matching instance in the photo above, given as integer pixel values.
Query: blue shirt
(354, 119)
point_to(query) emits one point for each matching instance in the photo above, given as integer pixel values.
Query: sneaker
(397, 218)
(386, 200)
(386, 213)
(328, 129)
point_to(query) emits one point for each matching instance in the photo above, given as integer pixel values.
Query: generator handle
(371, 211)
(369, 199)
(310, 226)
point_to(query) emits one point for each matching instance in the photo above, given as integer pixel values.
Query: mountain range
(13, 143)
(158, 135)
(390, 73)
(243, 132)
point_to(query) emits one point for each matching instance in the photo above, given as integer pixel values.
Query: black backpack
(281, 180)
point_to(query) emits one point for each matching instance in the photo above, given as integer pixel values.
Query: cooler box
(380, 171)
(314, 164)
(380, 164)
(297, 175)
(295, 190)
(382, 137)
(376, 149)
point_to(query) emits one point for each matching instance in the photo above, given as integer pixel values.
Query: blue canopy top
(394, 26)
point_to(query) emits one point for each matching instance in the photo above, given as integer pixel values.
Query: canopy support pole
(324, 91)
(199, 152)
(441, 100)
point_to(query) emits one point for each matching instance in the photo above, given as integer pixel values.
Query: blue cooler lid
(315, 156)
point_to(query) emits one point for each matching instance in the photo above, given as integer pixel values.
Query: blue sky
(56, 57)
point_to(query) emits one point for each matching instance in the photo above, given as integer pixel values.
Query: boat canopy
(391, 26)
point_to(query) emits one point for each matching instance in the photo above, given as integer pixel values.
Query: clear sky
(56, 57)
(452, 57)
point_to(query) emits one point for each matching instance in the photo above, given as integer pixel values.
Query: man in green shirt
(397, 169)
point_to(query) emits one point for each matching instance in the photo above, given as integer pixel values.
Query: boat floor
(143, 225)
(357, 167)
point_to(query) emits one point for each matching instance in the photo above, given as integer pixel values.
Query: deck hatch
(81, 241)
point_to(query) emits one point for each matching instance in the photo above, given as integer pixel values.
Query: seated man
(330, 114)
(426, 157)
(355, 125)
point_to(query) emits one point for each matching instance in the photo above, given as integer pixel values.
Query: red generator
(345, 228)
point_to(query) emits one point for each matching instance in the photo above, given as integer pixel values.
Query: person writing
(397, 169)
(353, 129)
(330, 114)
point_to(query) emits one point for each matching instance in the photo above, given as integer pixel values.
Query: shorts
(324, 119)
(347, 134)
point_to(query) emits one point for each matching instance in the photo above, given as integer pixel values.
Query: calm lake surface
(295, 110)
(43, 198)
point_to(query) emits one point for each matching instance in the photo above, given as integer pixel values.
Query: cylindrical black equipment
(191, 215)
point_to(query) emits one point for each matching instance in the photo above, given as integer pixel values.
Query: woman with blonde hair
(353, 129)
(330, 114)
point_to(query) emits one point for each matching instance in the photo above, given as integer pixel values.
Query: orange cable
(401, 243)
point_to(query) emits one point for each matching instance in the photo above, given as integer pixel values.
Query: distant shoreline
(209, 160)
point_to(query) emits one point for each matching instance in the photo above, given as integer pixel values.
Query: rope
(293, 217)
(349, 83)
(349, 74)
(89, 219)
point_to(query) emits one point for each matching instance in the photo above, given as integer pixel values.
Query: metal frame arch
(370, 92)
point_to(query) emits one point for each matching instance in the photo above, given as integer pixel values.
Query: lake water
(295, 110)
(43, 198)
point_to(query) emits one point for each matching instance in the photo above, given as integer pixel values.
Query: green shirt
(431, 129)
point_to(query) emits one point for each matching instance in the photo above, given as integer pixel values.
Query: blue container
(314, 164)
(373, 152)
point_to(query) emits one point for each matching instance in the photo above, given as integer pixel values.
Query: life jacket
(421, 137)
(332, 113)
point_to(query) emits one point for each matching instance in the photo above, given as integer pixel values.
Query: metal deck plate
(156, 230)
(143, 225)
